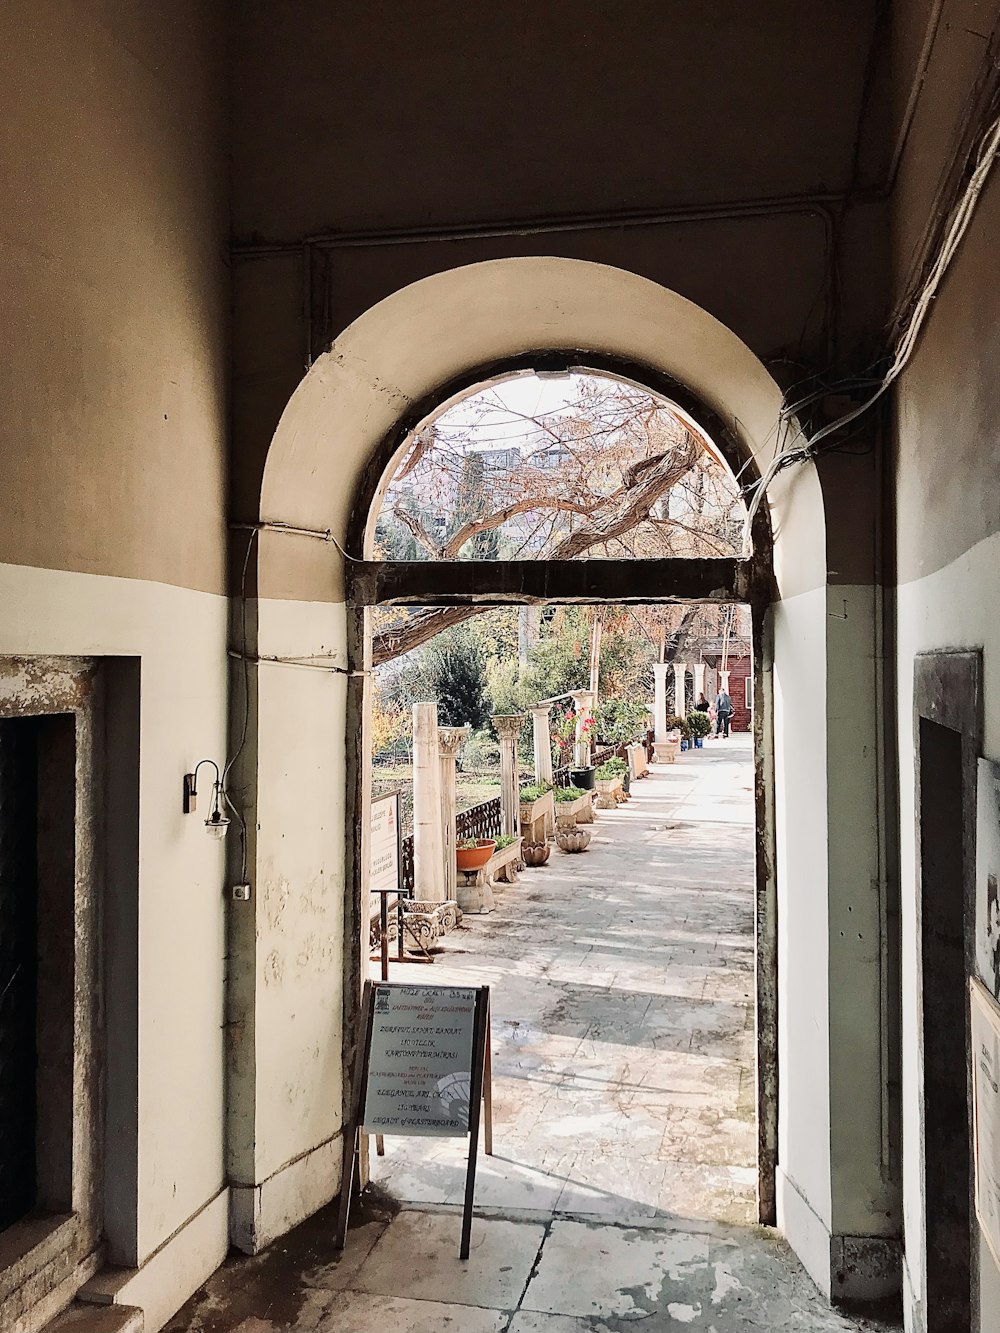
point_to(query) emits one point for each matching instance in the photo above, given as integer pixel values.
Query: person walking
(723, 713)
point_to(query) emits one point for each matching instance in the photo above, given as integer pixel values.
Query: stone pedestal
(429, 876)
(450, 741)
(508, 727)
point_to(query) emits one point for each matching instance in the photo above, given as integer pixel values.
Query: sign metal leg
(352, 1128)
(475, 1104)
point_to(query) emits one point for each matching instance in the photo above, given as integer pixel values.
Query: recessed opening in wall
(944, 998)
(557, 579)
(37, 846)
(51, 1059)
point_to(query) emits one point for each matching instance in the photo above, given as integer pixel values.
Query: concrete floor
(622, 1183)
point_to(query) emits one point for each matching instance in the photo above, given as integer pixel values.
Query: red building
(740, 686)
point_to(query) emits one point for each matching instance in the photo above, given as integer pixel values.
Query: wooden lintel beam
(536, 582)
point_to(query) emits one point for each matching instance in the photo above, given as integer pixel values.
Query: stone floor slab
(358, 1312)
(418, 1256)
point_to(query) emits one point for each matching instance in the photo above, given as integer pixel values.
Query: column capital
(662, 668)
(509, 724)
(450, 740)
(582, 699)
(540, 710)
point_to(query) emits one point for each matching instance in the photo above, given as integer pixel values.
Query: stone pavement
(621, 1192)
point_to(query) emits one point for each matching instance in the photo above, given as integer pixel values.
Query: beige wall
(114, 279)
(947, 498)
(113, 273)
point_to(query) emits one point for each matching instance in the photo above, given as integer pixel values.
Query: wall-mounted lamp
(217, 821)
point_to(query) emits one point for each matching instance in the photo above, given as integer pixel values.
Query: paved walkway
(621, 1192)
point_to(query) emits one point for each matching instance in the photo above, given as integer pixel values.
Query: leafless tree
(615, 472)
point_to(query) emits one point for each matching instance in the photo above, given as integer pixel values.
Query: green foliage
(614, 768)
(505, 840)
(473, 844)
(564, 795)
(699, 724)
(533, 792)
(459, 682)
(480, 751)
(620, 720)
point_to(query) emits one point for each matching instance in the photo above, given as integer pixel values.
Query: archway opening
(332, 457)
(580, 464)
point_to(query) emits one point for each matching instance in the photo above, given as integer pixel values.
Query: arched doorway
(328, 464)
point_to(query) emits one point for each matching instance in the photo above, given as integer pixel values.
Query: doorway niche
(51, 743)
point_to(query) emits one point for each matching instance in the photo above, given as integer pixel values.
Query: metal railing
(480, 821)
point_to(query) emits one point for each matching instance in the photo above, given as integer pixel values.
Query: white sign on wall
(986, 1112)
(384, 860)
(420, 1060)
(988, 876)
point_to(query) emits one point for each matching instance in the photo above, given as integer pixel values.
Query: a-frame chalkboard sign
(423, 1068)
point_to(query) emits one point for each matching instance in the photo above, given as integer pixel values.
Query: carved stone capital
(450, 740)
(509, 724)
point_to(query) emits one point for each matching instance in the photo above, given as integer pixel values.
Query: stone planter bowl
(573, 840)
(535, 853)
(474, 858)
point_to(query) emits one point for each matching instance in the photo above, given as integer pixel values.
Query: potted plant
(564, 737)
(610, 783)
(473, 853)
(699, 725)
(536, 813)
(573, 804)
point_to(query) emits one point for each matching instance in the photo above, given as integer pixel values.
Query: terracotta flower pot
(535, 853)
(474, 858)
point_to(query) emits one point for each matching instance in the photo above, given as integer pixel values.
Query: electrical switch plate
(241, 893)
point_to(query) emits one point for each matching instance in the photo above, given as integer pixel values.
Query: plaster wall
(114, 283)
(947, 510)
(286, 985)
(951, 608)
(164, 1158)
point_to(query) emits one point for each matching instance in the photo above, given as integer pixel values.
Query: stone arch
(328, 463)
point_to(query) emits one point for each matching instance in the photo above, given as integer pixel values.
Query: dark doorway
(946, 1119)
(18, 965)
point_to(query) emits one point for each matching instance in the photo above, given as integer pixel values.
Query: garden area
(506, 661)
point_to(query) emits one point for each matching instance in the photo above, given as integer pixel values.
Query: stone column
(582, 702)
(508, 727)
(428, 853)
(699, 679)
(660, 670)
(680, 671)
(543, 742)
(450, 740)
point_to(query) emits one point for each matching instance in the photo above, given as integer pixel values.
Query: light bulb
(216, 825)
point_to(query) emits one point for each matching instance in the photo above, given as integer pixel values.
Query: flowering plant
(564, 732)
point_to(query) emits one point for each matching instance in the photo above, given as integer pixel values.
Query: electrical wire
(321, 534)
(786, 454)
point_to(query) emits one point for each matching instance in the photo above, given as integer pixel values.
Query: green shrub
(699, 724)
(614, 768)
(564, 795)
(471, 844)
(505, 840)
(533, 792)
